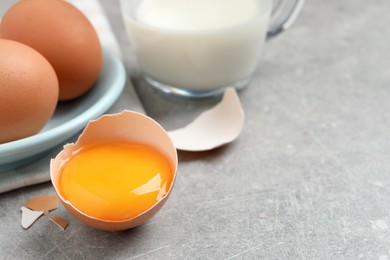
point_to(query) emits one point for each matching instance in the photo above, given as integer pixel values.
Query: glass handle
(284, 13)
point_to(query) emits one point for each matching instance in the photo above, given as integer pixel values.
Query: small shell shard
(43, 203)
(59, 221)
(29, 216)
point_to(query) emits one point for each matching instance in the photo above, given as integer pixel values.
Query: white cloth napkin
(38, 171)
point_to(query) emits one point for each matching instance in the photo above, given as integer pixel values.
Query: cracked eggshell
(127, 125)
(213, 128)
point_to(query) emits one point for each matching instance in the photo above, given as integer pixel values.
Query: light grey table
(309, 178)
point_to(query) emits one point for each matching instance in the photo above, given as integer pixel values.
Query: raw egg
(115, 180)
(118, 174)
(29, 91)
(63, 35)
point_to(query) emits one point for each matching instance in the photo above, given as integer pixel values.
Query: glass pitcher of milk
(197, 48)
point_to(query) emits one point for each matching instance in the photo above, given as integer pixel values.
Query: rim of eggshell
(89, 134)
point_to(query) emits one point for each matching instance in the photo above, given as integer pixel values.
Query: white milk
(198, 44)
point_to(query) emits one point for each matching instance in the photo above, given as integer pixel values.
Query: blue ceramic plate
(69, 117)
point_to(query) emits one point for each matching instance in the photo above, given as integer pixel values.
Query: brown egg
(29, 91)
(63, 35)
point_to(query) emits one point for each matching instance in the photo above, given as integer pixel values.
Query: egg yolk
(116, 180)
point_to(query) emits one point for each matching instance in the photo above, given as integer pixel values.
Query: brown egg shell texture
(29, 91)
(63, 35)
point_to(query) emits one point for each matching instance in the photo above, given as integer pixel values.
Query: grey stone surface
(309, 178)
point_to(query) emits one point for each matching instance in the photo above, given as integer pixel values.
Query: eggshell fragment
(29, 217)
(62, 223)
(213, 128)
(43, 203)
(126, 126)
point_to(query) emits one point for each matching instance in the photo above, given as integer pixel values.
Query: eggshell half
(213, 128)
(127, 126)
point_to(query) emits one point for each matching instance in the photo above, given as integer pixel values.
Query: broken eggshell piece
(29, 216)
(126, 126)
(42, 203)
(213, 128)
